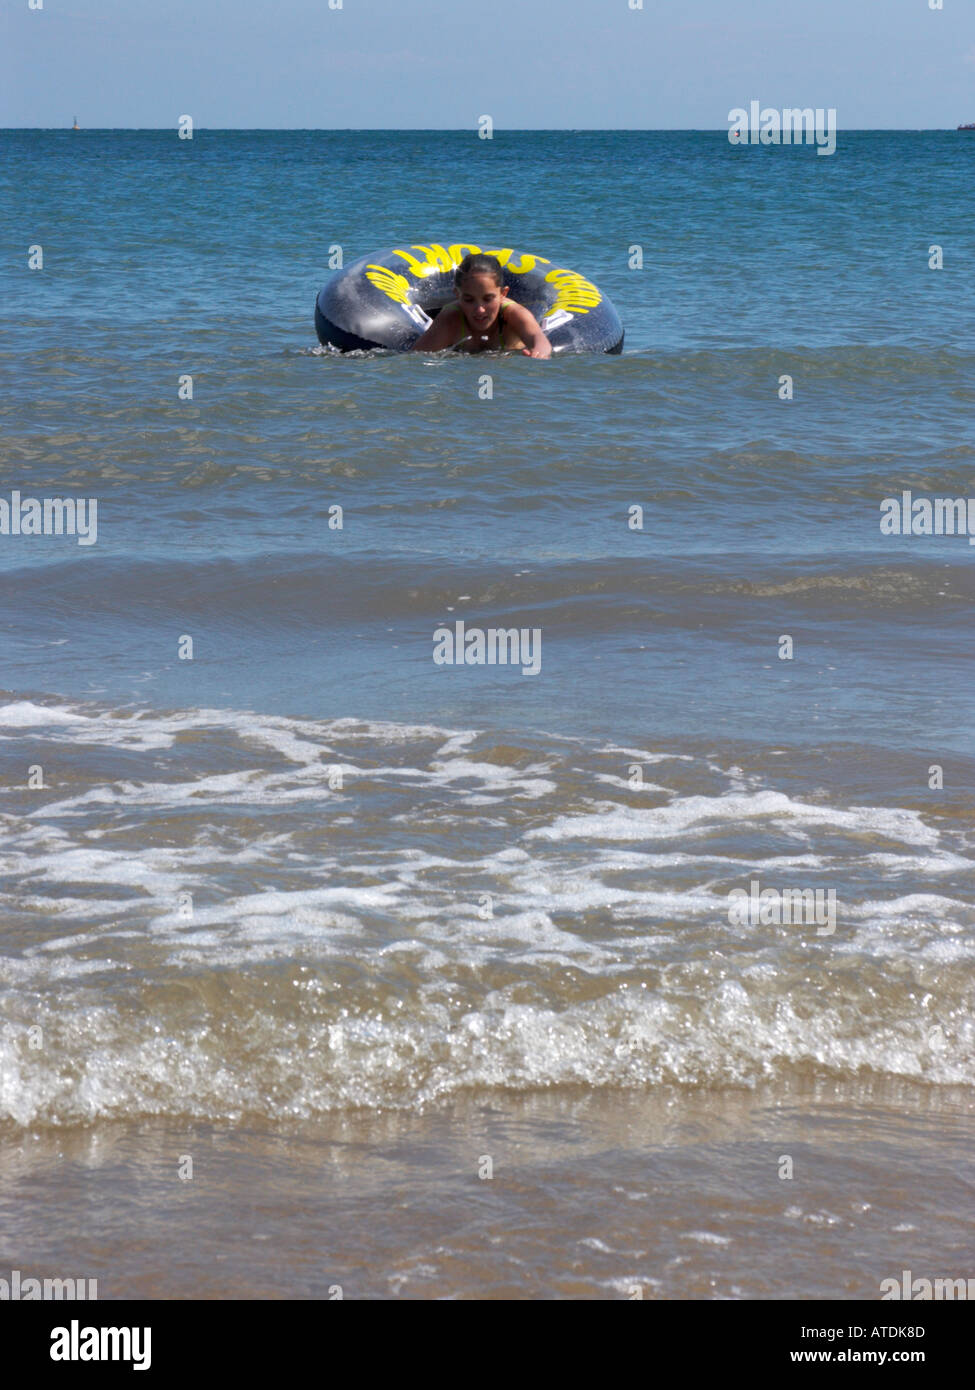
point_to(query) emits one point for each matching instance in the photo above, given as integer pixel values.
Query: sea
(641, 968)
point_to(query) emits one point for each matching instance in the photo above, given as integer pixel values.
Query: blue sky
(529, 64)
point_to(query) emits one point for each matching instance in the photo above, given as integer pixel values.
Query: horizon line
(465, 130)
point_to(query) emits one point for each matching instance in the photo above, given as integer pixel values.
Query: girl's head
(479, 281)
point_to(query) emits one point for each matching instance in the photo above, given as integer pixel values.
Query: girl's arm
(529, 328)
(441, 333)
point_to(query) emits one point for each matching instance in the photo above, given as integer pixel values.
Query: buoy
(387, 299)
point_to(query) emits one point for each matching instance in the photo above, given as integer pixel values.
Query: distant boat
(969, 126)
(76, 126)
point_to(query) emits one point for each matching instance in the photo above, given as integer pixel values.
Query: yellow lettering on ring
(436, 258)
(573, 292)
(462, 249)
(396, 287)
(527, 263)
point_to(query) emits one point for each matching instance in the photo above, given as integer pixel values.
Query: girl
(483, 318)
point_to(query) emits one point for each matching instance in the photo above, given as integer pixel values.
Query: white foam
(699, 814)
(605, 959)
(24, 714)
(627, 785)
(99, 1062)
(910, 906)
(646, 756)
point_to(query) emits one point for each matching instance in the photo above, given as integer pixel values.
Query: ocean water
(343, 921)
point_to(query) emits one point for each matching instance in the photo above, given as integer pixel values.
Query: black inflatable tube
(387, 299)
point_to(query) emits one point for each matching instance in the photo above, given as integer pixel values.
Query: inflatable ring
(388, 299)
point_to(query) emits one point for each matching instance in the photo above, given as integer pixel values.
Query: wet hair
(479, 264)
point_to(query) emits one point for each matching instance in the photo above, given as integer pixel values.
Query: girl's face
(480, 298)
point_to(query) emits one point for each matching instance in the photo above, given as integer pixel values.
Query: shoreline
(611, 1194)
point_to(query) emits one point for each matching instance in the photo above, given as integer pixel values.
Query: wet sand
(593, 1196)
